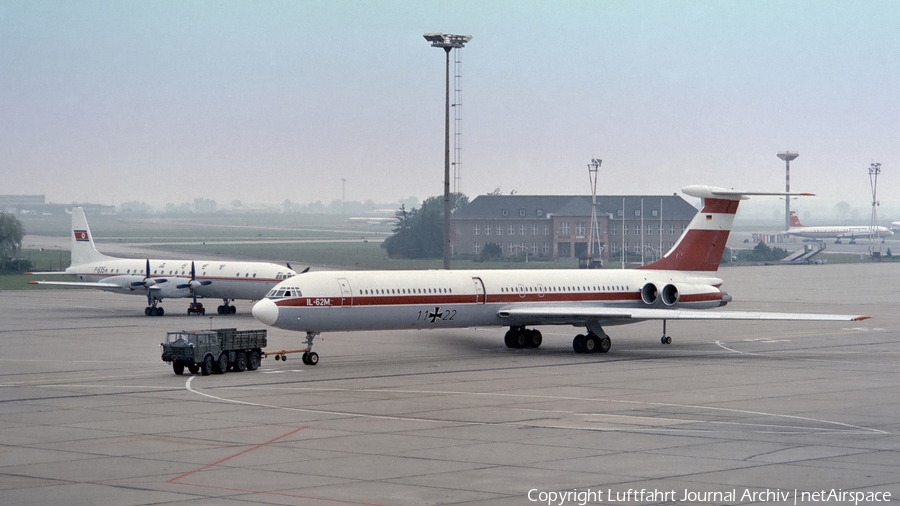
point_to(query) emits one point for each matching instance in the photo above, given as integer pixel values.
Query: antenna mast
(594, 255)
(457, 119)
(874, 170)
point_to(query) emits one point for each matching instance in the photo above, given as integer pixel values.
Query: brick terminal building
(558, 226)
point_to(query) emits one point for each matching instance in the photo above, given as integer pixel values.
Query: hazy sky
(264, 101)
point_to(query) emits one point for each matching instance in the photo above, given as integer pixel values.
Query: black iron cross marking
(436, 315)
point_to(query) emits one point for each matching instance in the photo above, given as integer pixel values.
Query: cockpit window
(280, 293)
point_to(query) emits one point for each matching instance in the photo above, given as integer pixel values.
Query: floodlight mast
(787, 156)
(447, 41)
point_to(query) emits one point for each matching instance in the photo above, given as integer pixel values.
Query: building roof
(531, 207)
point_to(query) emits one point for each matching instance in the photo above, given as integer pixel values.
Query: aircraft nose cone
(265, 311)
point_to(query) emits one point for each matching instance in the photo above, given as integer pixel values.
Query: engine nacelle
(670, 295)
(170, 289)
(693, 296)
(649, 294)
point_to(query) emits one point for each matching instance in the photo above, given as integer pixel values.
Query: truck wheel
(221, 364)
(240, 362)
(253, 360)
(207, 365)
(194, 368)
(178, 367)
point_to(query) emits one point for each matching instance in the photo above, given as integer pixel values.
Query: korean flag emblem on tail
(82, 235)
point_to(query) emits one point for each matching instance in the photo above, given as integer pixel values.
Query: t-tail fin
(794, 220)
(83, 249)
(701, 245)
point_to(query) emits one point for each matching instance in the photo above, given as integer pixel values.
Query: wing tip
(861, 318)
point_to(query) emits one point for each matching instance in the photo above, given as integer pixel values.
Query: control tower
(787, 156)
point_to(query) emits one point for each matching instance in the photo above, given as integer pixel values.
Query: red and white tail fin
(83, 249)
(794, 220)
(700, 247)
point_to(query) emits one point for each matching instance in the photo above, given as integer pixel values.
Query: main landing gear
(520, 337)
(226, 308)
(154, 309)
(591, 343)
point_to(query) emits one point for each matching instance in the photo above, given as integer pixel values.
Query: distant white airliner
(675, 287)
(852, 232)
(162, 279)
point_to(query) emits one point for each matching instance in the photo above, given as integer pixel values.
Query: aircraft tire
(312, 358)
(578, 344)
(221, 309)
(604, 345)
(510, 339)
(147, 311)
(178, 367)
(535, 338)
(521, 339)
(232, 309)
(590, 344)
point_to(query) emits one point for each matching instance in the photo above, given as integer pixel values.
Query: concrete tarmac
(730, 413)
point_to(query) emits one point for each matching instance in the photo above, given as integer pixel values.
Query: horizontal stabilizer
(714, 192)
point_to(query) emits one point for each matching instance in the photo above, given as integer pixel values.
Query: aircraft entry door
(479, 291)
(346, 293)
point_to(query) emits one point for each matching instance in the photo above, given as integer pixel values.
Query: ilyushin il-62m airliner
(678, 286)
(163, 279)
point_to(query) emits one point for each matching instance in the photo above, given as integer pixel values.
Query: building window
(505, 212)
(671, 229)
(637, 213)
(564, 229)
(649, 229)
(477, 229)
(522, 213)
(579, 228)
(534, 229)
(654, 212)
(540, 213)
(620, 213)
(487, 229)
(512, 230)
(477, 248)
(546, 229)
(614, 230)
(546, 248)
(624, 229)
(521, 229)
(499, 229)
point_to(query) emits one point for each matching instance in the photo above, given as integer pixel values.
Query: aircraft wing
(80, 284)
(577, 315)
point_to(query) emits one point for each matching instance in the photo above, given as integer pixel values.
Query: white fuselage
(840, 232)
(226, 279)
(380, 300)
